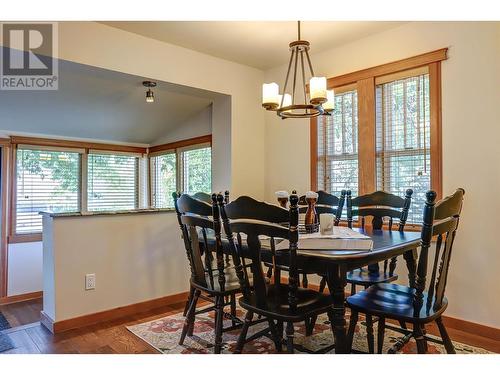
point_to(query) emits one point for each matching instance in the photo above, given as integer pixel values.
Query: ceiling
(259, 44)
(100, 104)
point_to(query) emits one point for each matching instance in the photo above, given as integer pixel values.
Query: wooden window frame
(365, 85)
(177, 148)
(14, 141)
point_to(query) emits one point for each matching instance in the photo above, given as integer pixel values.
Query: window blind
(403, 139)
(46, 181)
(196, 169)
(163, 180)
(337, 167)
(112, 182)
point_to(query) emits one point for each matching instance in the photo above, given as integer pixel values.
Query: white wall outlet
(90, 281)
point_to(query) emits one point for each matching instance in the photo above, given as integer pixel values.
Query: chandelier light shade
(298, 103)
(150, 98)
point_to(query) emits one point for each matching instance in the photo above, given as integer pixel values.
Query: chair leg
(310, 325)
(322, 284)
(279, 328)
(243, 334)
(420, 339)
(369, 334)
(274, 333)
(269, 273)
(233, 308)
(305, 282)
(188, 302)
(380, 334)
(402, 324)
(219, 315)
(191, 325)
(289, 337)
(450, 349)
(352, 326)
(189, 321)
(353, 289)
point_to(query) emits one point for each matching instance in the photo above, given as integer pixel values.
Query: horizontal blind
(403, 139)
(163, 180)
(46, 181)
(112, 182)
(196, 170)
(337, 167)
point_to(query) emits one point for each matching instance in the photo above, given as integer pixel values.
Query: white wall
(135, 258)
(197, 125)
(25, 268)
(470, 112)
(106, 47)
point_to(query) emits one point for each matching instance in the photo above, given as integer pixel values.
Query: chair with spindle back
(378, 205)
(250, 221)
(204, 197)
(209, 275)
(412, 304)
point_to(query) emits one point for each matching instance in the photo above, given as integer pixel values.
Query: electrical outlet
(90, 281)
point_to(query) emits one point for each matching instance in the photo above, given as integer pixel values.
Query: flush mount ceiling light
(149, 94)
(319, 100)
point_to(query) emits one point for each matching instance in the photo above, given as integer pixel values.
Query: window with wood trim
(163, 179)
(337, 152)
(112, 182)
(45, 181)
(398, 129)
(403, 139)
(186, 169)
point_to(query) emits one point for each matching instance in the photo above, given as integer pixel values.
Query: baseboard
(119, 312)
(20, 297)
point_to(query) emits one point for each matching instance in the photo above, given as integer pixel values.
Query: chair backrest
(201, 229)
(250, 221)
(441, 220)
(207, 198)
(326, 204)
(379, 204)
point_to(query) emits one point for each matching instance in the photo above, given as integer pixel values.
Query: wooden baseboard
(471, 327)
(20, 297)
(119, 312)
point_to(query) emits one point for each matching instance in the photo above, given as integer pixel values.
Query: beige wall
(135, 258)
(238, 149)
(471, 131)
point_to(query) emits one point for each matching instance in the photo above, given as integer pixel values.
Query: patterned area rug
(5, 341)
(163, 334)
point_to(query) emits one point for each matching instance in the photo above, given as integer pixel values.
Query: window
(196, 170)
(403, 139)
(385, 132)
(163, 179)
(46, 181)
(187, 169)
(112, 182)
(337, 167)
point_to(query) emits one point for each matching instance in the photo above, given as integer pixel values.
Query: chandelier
(286, 105)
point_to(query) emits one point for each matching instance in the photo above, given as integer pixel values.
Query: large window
(337, 167)
(112, 182)
(403, 139)
(46, 181)
(385, 133)
(188, 170)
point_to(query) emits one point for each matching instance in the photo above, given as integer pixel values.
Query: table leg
(411, 263)
(336, 279)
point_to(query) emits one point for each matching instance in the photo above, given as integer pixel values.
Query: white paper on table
(342, 239)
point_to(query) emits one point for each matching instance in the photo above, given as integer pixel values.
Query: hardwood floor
(21, 313)
(112, 336)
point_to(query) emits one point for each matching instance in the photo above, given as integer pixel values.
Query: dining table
(335, 264)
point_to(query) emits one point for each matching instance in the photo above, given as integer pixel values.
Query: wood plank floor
(113, 337)
(21, 313)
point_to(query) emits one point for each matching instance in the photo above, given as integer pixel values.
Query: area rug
(163, 334)
(5, 341)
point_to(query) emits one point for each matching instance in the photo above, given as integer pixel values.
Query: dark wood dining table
(335, 265)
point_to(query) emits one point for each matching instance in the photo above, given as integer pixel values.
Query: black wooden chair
(412, 304)
(378, 205)
(211, 278)
(251, 220)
